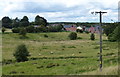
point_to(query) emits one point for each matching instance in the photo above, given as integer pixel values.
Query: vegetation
(40, 21)
(30, 29)
(55, 28)
(15, 30)
(22, 32)
(3, 29)
(59, 56)
(6, 22)
(21, 53)
(78, 30)
(24, 22)
(73, 36)
(92, 36)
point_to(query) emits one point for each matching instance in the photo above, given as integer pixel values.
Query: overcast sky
(60, 10)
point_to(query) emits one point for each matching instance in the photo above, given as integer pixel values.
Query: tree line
(24, 22)
(38, 25)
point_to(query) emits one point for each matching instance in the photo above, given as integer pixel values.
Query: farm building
(94, 29)
(71, 28)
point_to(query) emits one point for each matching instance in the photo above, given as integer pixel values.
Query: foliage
(41, 29)
(78, 30)
(40, 21)
(3, 29)
(6, 22)
(30, 29)
(111, 38)
(15, 30)
(57, 28)
(92, 36)
(45, 35)
(24, 22)
(21, 53)
(73, 36)
(16, 22)
(109, 28)
(117, 33)
(87, 32)
(23, 32)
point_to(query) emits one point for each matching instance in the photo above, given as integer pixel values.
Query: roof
(67, 26)
(79, 27)
(73, 29)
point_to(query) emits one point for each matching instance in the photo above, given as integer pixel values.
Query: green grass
(70, 57)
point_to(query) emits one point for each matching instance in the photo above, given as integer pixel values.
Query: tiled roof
(73, 29)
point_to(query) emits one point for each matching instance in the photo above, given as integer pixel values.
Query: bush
(92, 37)
(30, 29)
(41, 29)
(16, 30)
(87, 32)
(57, 28)
(111, 38)
(3, 30)
(79, 38)
(45, 35)
(72, 36)
(21, 53)
(78, 30)
(23, 32)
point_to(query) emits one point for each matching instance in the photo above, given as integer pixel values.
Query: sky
(60, 10)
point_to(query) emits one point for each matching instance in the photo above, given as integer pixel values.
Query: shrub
(72, 36)
(92, 37)
(30, 29)
(111, 38)
(41, 29)
(57, 28)
(3, 30)
(78, 30)
(45, 35)
(21, 53)
(16, 30)
(87, 32)
(23, 32)
(79, 38)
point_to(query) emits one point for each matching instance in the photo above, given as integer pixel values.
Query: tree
(57, 28)
(92, 37)
(3, 29)
(23, 32)
(30, 29)
(16, 30)
(73, 36)
(115, 36)
(21, 53)
(24, 22)
(40, 21)
(109, 28)
(116, 33)
(16, 23)
(6, 22)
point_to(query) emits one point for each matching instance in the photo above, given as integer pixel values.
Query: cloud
(59, 10)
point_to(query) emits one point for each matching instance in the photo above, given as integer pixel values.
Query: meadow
(58, 55)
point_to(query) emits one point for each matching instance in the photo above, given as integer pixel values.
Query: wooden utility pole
(100, 29)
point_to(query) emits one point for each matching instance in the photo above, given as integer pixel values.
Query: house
(71, 28)
(94, 29)
(80, 28)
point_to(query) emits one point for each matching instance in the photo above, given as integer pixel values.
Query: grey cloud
(34, 7)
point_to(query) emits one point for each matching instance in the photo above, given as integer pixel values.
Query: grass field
(69, 57)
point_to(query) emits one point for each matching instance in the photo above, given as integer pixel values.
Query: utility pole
(100, 29)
